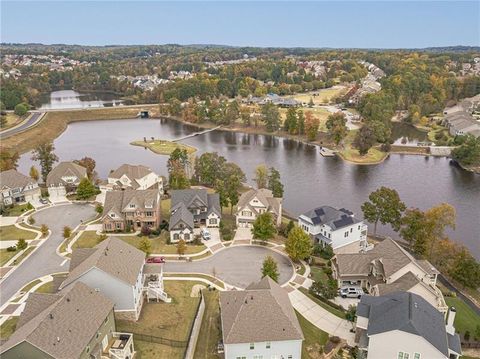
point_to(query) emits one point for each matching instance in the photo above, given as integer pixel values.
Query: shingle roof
(113, 256)
(133, 172)
(14, 179)
(264, 195)
(181, 214)
(404, 283)
(196, 197)
(65, 169)
(262, 312)
(64, 328)
(406, 312)
(332, 217)
(117, 201)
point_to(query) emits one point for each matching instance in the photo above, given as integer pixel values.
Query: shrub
(99, 208)
(386, 147)
(31, 220)
(146, 231)
(29, 206)
(21, 109)
(323, 252)
(466, 336)
(11, 249)
(22, 244)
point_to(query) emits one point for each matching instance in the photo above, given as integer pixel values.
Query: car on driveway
(156, 260)
(43, 201)
(351, 292)
(205, 234)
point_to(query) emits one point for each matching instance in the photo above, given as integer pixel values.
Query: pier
(196, 134)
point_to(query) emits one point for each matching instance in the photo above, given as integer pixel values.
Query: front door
(105, 342)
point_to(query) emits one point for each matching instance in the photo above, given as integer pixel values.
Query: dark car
(156, 260)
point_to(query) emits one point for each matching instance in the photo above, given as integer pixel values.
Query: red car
(156, 260)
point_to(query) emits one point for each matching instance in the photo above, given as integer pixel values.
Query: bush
(466, 336)
(323, 252)
(22, 244)
(326, 290)
(11, 249)
(327, 271)
(146, 231)
(21, 109)
(29, 206)
(386, 147)
(31, 220)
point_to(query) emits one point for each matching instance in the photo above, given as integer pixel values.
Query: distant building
(64, 178)
(255, 202)
(259, 322)
(17, 188)
(136, 177)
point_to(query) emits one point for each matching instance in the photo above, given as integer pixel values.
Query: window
(175, 236)
(88, 349)
(186, 236)
(351, 230)
(252, 346)
(213, 221)
(403, 355)
(118, 225)
(359, 227)
(290, 357)
(258, 357)
(106, 320)
(416, 356)
(268, 345)
(241, 358)
(149, 214)
(132, 206)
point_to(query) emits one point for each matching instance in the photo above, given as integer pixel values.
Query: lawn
(210, 331)
(167, 320)
(351, 154)
(163, 147)
(12, 233)
(165, 208)
(11, 120)
(16, 210)
(323, 96)
(318, 275)
(319, 112)
(30, 285)
(160, 246)
(324, 305)
(25, 253)
(87, 239)
(8, 327)
(204, 276)
(466, 318)
(5, 256)
(315, 338)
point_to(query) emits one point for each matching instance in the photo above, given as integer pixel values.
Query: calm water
(310, 180)
(405, 134)
(66, 99)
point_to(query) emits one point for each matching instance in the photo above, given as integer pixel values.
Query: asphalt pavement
(32, 120)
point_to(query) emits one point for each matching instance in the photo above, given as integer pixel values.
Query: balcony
(120, 346)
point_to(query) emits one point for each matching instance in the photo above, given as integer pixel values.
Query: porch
(120, 346)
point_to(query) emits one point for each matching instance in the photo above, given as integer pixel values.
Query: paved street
(34, 118)
(45, 260)
(238, 266)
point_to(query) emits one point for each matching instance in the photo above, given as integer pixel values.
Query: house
(259, 322)
(17, 188)
(113, 268)
(131, 209)
(75, 323)
(389, 268)
(255, 202)
(135, 177)
(65, 178)
(337, 228)
(181, 224)
(403, 325)
(204, 206)
(460, 122)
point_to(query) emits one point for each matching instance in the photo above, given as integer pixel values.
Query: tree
(290, 123)
(21, 244)
(312, 123)
(414, 230)
(86, 189)
(438, 219)
(145, 246)
(8, 159)
(245, 115)
(89, 164)
(45, 155)
(67, 232)
(466, 270)
(263, 227)
(274, 183)
(384, 206)
(327, 290)
(337, 127)
(351, 313)
(234, 178)
(44, 229)
(181, 247)
(261, 176)
(177, 166)
(209, 167)
(298, 244)
(270, 268)
(31, 220)
(99, 208)
(34, 173)
(468, 153)
(21, 109)
(300, 122)
(364, 140)
(271, 117)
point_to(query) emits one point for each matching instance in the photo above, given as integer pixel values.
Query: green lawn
(167, 320)
(325, 306)
(30, 285)
(87, 239)
(315, 338)
(12, 233)
(16, 210)
(351, 154)
(160, 246)
(165, 208)
(24, 254)
(163, 147)
(8, 327)
(5, 256)
(318, 275)
(466, 318)
(211, 279)
(210, 331)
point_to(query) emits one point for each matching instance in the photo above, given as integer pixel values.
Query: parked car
(156, 260)
(351, 292)
(43, 201)
(205, 234)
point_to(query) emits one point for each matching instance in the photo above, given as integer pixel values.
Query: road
(238, 266)
(44, 260)
(31, 121)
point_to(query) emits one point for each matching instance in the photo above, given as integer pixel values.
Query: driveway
(237, 266)
(44, 260)
(346, 302)
(214, 242)
(243, 234)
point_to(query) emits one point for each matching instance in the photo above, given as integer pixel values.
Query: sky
(336, 24)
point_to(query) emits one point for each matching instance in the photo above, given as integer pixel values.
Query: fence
(160, 340)
(195, 328)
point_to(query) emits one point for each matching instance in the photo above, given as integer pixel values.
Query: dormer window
(132, 206)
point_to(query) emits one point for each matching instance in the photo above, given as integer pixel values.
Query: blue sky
(338, 24)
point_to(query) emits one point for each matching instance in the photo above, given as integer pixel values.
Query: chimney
(451, 318)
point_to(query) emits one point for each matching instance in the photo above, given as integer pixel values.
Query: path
(196, 134)
(31, 121)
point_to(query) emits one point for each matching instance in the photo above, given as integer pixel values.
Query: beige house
(17, 188)
(75, 323)
(255, 202)
(131, 208)
(136, 177)
(65, 178)
(388, 268)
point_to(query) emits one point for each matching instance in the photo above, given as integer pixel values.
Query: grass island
(163, 147)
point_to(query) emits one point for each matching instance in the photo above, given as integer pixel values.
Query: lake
(310, 180)
(66, 99)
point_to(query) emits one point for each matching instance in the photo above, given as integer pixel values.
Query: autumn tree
(67, 232)
(271, 117)
(263, 227)
(181, 247)
(298, 244)
(145, 246)
(45, 155)
(89, 164)
(337, 126)
(34, 173)
(8, 159)
(364, 140)
(312, 123)
(270, 268)
(177, 169)
(414, 229)
(290, 123)
(438, 219)
(261, 176)
(44, 230)
(300, 123)
(245, 115)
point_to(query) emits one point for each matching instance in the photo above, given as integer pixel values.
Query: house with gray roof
(113, 268)
(64, 178)
(404, 325)
(77, 322)
(259, 322)
(192, 208)
(255, 202)
(17, 188)
(388, 268)
(136, 177)
(131, 209)
(338, 228)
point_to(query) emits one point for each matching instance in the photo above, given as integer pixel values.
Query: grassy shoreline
(164, 147)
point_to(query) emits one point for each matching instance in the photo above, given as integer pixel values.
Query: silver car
(351, 292)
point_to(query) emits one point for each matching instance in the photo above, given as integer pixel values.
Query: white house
(337, 228)
(114, 268)
(136, 177)
(255, 202)
(181, 224)
(259, 322)
(65, 178)
(17, 188)
(405, 326)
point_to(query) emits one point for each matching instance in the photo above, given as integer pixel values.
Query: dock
(196, 134)
(326, 152)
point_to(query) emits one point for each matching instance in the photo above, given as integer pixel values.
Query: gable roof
(113, 256)
(406, 312)
(262, 312)
(189, 196)
(117, 201)
(265, 197)
(332, 217)
(404, 283)
(181, 214)
(65, 169)
(133, 172)
(14, 179)
(63, 324)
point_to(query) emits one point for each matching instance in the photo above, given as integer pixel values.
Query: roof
(65, 169)
(332, 217)
(14, 179)
(406, 312)
(133, 172)
(63, 324)
(404, 283)
(265, 196)
(118, 201)
(113, 256)
(196, 197)
(181, 214)
(262, 312)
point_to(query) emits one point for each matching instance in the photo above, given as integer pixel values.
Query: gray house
(17, 188)
(64, 178)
